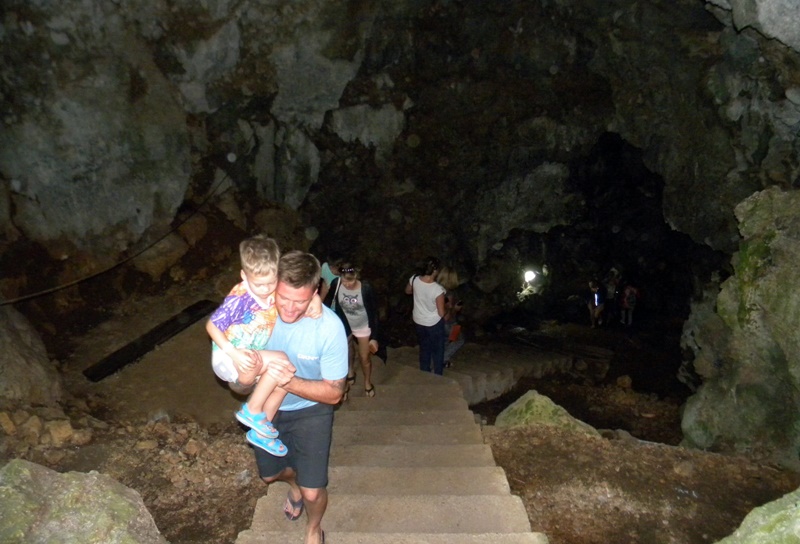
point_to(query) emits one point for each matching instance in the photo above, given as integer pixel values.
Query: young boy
(243, 325)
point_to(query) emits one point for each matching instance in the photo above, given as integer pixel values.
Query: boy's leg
(227, 371)
(248, 378)
(273, 402)
(252, 411)
(258, 399)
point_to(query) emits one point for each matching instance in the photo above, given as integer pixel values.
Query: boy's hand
(373, 346)
(244, 359)
(314, 309)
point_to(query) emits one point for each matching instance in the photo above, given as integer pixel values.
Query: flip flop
(291, 506)
(370, 392)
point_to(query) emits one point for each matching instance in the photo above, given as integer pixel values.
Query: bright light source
(529, 275)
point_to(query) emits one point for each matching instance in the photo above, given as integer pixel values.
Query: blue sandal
(257, 422)
(269, 445)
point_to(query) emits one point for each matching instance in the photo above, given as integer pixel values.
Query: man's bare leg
(288, 475)
(316, 501)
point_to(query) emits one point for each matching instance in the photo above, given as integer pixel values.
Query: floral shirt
(245, 322)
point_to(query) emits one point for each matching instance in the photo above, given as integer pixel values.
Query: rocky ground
(635, 485)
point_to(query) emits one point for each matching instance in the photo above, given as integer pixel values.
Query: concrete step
(478, 381)
(346, 417)
(410, 466)
(443, 388)
(485, 480)
(253, 537)
(398, 403)
(407, 434)
(399, 373)
(470, 455)
(402, 514)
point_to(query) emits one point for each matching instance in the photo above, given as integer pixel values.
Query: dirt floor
(634, 485)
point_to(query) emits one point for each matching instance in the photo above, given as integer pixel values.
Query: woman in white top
(428, 316)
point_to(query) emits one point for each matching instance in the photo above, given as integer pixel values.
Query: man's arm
(324, 391)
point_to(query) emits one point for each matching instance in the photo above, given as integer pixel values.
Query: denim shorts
(307, 435)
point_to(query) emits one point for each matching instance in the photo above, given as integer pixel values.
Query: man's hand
(279, 367)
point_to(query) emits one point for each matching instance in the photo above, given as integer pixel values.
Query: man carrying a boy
(313, 374)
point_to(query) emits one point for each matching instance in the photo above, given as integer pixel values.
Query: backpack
(630, 298)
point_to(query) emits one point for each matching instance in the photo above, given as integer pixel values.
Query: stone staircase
(410, 465)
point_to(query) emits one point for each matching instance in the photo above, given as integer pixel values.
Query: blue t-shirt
(316, 347)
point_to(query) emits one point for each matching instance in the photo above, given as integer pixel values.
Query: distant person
(329, 272)
(428, 315)
(243, 324)
(313, 372)
(612, 285)
(596, 303)
(628, 300)
(454, 339)
(355, 303)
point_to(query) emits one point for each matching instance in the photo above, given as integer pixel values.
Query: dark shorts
(307, 434)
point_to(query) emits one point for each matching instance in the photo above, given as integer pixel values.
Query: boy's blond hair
(448, 278)
(259, 255)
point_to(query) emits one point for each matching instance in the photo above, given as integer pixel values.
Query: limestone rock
(535, 408)
(378, 128)
(94, 144)
(40, 505)
(26, 374)
(157, 259)
(750, 400)
(539, 199)
(773, 19)
(772, 523)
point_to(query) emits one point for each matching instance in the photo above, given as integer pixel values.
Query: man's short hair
(299, 269)
(259, 255)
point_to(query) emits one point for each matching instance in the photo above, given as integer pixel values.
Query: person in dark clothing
(355, 303)
(596, 303)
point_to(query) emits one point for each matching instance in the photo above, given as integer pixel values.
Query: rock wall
(41, 505)
(448, 128)
(748, 352)
(27, 377)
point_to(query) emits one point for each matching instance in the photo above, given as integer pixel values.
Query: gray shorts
(307, 434)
